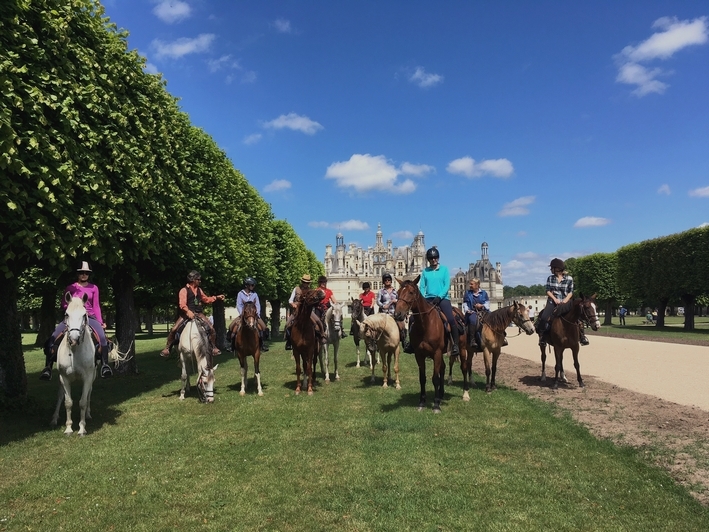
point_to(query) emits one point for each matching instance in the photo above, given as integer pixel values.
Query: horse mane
(499, 319)
(203, 345)
(376, 320)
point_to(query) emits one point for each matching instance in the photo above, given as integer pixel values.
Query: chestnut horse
(429, 338)
(564, 333)
(493, 336)
(305, 342)
(246, 344)
(357, 318)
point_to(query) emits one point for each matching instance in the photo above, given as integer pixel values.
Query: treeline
(99, 163)
(671, 270)
(523, 291)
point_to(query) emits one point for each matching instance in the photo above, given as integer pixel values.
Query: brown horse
(303, 337)
(429, 338)
(564, 333)
(246, 343)
(357, 318)
(493, 336)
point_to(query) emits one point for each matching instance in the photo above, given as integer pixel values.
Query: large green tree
(597, 274)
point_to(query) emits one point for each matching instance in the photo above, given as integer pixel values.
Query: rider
(560, 289)
(294, 302)
(191, 298)
(475, 301)
(93, 310)
(434, 285)
(244, 296)
(367, 299)
(386, 299)
(326, 302)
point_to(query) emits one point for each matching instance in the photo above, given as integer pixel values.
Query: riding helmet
(432, 253)
(322, 279)
(366, 285)
(250, 280)
(557, 264)
(386, 277)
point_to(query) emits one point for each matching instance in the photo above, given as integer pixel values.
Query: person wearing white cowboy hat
(294, 302)
(93, 310)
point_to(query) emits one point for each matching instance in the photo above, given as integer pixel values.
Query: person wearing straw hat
(294, 302)
(81, 287)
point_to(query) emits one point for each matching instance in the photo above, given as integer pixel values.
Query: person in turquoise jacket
(434, 285)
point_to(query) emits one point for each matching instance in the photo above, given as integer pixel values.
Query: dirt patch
(672, 436)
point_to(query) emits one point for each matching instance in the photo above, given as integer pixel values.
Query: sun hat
(84, 267)
(305, 278)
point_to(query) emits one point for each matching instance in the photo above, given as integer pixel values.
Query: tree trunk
(47, 315)
(219, 323)
(608, 320)
(13, 375)
(688, 301)
(275, 318)
(123, 284)
(149, 318)
(661, 312)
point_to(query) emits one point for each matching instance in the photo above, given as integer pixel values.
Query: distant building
(490, 280)
(350, 266)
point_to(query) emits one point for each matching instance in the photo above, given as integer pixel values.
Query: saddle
(460, 322)
(563, 308)
(94, 338)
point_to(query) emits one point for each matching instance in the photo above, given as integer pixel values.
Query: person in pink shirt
(93, 310)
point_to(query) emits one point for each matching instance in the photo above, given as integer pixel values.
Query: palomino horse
(303, 337)
(429, 338)
(76, 359)
(381, 334)
(246, 344)
(333, 328)
(564, 333)
(493, 336)
(194, 348)
(357, 318)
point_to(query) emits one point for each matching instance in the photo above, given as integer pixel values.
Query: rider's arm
(240, 303)
(182, 302)
(97, 306)
(258, 305)
(291, 300)
(486, 300)
(571, 291)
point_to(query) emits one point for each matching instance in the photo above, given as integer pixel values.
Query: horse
(564, 333)
(303, 338)
(246, 343)
(194, 347)
(76, 359)
(333, 328)
(381, 334)
(493, 337)
(357, 318)
(429, 338)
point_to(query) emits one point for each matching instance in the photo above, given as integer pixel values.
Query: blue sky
(547, 129)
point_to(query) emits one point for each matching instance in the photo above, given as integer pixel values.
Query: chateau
(350, 266)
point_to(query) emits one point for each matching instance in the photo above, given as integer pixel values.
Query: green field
(353, 456)
(635, 327)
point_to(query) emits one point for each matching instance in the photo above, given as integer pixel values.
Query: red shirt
(367, 298)
(326, 300)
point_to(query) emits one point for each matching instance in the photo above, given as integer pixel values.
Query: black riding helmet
(432, 253)
(366, 285)
(386, 277)
(250, 281)
(557, 264)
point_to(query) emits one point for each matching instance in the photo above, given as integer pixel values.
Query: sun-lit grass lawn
(352, 457)
(673, 329)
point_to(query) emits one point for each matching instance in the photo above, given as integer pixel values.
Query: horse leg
(336, 349)
(543, 378)
(396, 366)
(488, 371)
(356, 341)
(464, 363)
(94, 372)
(439, 377)
(60, 398)
(296, 355)
(421, 361)
(68, 403)
(386, 369)
(185, 379)
(257, 372)
(559, 366)
(310, 364)
(244, 372)
(450, 373)
(372, 365)
(495, 357)
(326, 367)
(575, 352)
(84, 402)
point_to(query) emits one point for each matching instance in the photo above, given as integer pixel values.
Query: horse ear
(398, 281)
(85, 298)
(416, 281)
(67, 297)
(215, 367)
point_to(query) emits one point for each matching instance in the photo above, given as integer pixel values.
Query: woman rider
(81, 287)
(244, 296)
(435, 284)
(475, 301)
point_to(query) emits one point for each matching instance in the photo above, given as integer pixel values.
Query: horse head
(588, 312)
(357, 308)
(309, 298)
(408, 298)
(520, 317)
(205, 384)
(249, 315)
(75, 318)
(370, 336)
(334, 315)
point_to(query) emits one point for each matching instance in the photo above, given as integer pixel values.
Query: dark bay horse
(246, 344)
(305, 342)
(564, 333)
(429, 338)
(357, 318)
(493, 336)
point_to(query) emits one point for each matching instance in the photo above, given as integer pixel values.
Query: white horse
(333, 329)
(381, 334)
(194, 348)
(76, 359)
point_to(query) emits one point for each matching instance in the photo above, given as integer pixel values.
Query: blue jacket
(435, 283)
(470, 300)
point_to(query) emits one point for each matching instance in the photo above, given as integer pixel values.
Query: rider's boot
(343, 334)
(478, 341)
(582, 337)
(261, 345)
(213, 341)
(46, 374)
(504, 340)
(106, 370)
(289, 345)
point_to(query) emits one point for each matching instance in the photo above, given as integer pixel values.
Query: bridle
(410, 304)
(81, 330)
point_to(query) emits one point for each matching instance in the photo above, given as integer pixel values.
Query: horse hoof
(398, 386)
(310, 392)
(582, 385)
(242, 393)
(543, 378)
(466, 396)
(68, 432)
(337, 377)
(357, 366)
(260, 394)
(421, 408)
(436, 410)
(385, 385)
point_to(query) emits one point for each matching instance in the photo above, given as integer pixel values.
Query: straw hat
(84, 267)
(306, 278)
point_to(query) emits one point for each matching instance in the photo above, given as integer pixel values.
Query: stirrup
(584, 340)
(106, 371)
(46, 374)
(165, 353)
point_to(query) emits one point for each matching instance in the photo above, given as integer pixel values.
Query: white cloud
(517, 207)
(151, 68)
(591, 221)
(365, 173)
(467, 167)
(418, 170)
(171, 11)
(294, 122)
(253, 139)
(278, 184)
(674, 35)
(705, 224)
(515, 265)
(319, 224)
(424, 79)
(283, 26)
(403, 235)
(248, 77)
(183, 46)
(664, 189)
(700, 192)
(224, 61)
